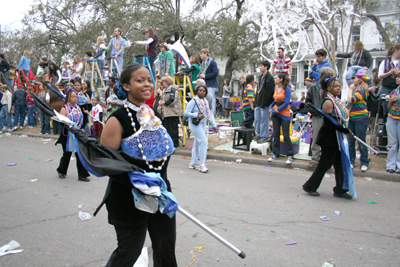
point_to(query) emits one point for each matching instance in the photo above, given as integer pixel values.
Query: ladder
(94, 68)
(145, 62)
(17, 80)
(114, 65)
(183, 93)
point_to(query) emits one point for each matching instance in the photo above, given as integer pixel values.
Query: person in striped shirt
(248, 105)
(282, 64)
(393, 130)
(359, 118)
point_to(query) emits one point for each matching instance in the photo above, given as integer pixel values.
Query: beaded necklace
(378, 87)
(204, 108)
(355, 56)
(281, 63)
(397, 92)
(74, 114)
(340, 109)
(204, 65)
(129, 105)
(390, 66)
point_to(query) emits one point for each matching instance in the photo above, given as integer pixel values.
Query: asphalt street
(258, 209)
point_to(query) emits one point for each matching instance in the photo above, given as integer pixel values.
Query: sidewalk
(376, 170)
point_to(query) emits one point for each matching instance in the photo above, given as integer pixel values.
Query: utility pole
(177, 26)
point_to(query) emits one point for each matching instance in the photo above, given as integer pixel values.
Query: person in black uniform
(130, 223)
(328, 140)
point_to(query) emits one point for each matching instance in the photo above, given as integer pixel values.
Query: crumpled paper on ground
(9, 248)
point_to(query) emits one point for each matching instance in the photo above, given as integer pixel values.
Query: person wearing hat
(359, 118)
(166, 64)
(308, 81)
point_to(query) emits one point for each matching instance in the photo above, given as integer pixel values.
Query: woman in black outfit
(131, 224)
(328, 140)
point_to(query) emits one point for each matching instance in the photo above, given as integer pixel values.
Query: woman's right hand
(393, 98)
(200, 116)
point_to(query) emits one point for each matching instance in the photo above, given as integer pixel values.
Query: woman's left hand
(83, 130)
(215, 129)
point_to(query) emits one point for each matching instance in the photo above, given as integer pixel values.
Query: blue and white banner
(178, 48)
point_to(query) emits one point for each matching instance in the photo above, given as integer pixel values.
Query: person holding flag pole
(333, 145)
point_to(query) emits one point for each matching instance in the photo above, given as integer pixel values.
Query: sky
(12, 12)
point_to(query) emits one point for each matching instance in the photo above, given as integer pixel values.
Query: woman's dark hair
(325, 85)
(197, 89)
(67, 96)
(112, 79)
(249, 78)
(226, 82)
(88, 85)
(54, 70)
(285, 80)
(127, 73)
(78, 80)
(89, 53)
(196, 59)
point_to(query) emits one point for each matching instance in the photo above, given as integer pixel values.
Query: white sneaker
(21, 127)
(364, 168)
(14, 128)
(271, 158)
(289, 160)
(203, 168)
(30, 127)
(194, 166)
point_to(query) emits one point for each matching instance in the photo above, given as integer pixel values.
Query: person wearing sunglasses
(150, 45)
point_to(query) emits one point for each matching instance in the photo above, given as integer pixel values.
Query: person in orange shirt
(280, 116)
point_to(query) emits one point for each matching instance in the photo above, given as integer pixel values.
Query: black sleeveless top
(119, 201)
(327, 134)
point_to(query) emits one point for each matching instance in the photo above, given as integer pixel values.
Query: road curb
(385, 176)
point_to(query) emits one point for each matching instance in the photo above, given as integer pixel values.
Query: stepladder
(183, 86)
(114, 65)
(21, 74)
(91, 69)
(145, 62)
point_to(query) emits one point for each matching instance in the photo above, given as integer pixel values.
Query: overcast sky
(12, 12)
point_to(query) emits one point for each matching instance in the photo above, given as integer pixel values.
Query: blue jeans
(353, 70)
(225, 102)
(45, 123)
(359, 128)
(200, 144)
(120, 63)
(278, 122)
(19, 114)
(262, 118)
(87, 129)
(212, 101)
(5, 117)
(101, 65)
(6, 75)
(393, 133)
(151, 62)
(32, 116)
(10, 82)
(249, 118)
